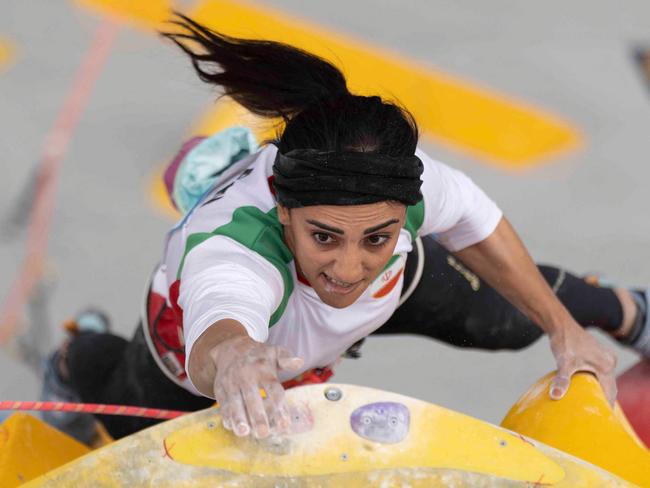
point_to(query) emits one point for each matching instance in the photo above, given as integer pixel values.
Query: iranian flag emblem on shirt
(388, 278)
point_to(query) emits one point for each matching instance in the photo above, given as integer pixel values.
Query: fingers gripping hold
(255, 410)
(608, 382)
(559, 386)
(277, 411)
(243, 368)
(575, 350)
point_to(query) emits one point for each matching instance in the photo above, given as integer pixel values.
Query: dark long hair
(273, 80)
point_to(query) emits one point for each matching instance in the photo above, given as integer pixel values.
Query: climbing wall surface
(342, 436)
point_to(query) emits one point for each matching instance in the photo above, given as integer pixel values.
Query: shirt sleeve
(455, 208)
(221, 279)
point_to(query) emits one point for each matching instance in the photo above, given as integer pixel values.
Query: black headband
(305, 177)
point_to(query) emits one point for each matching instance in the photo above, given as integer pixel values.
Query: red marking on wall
(539, 481)
(167, 449)
(524, 439)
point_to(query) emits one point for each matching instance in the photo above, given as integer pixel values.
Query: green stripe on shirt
(260, 232)
(414, 219)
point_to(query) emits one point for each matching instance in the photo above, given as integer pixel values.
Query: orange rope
(92, 408)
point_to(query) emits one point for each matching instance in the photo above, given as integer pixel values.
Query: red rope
(93, 408)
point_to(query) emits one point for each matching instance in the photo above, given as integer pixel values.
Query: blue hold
(384, 422)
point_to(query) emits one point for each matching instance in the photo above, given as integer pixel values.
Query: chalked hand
(243, 368)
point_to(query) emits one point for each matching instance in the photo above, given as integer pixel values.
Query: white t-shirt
(226, 260)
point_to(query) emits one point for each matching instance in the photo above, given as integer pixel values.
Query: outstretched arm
(502, 261)
(228, 365)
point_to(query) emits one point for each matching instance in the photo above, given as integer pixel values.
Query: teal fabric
(204, 164)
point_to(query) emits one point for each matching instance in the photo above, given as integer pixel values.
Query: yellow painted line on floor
(229, 114)
(452, 111)
(158, 196)
(149, 14)
(488, 124)
(7, 53)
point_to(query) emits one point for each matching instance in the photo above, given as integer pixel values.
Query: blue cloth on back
(209, 159)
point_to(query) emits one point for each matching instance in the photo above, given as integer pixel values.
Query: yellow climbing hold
(584, 425)
(437, 438)
(30, 448)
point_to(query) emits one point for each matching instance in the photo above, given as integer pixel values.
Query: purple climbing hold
(385, 422)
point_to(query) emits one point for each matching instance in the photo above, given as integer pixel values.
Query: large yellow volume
(584, 425)
(30, 447)
(342, 435)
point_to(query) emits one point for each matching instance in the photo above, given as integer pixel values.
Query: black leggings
(450, 304)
